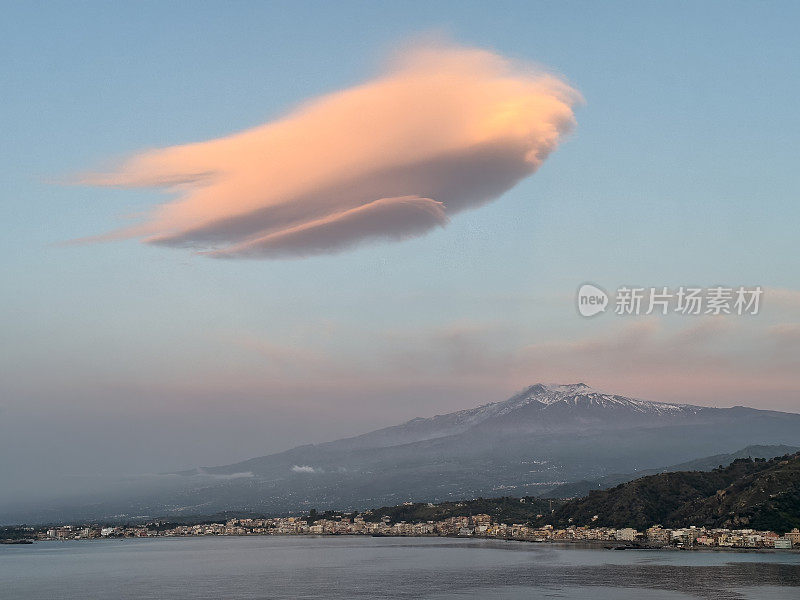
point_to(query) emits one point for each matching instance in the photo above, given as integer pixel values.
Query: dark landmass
(749, 493)
(503, 510)
(528, 445)
(584, 487)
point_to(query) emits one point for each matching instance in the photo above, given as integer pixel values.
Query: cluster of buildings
(688, 537)
(474, 526)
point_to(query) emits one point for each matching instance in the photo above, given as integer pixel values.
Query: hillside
(528, 445)
(748, 493)
(760, 494)
(584, 487)
(502, 510)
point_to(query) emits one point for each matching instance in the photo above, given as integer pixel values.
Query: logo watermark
(591, 300)
(684, 300)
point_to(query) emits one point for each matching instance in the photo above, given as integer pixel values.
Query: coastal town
(475, 526)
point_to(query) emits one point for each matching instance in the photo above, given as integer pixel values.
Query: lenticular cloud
(443, 129)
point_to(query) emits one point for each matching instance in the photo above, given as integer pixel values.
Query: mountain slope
(757, 494)
(584, 487)
(531, 443)
(540, 409)
(541, 438)
(532, 427)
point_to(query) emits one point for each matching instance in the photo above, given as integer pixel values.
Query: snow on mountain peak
(580, 394)
(546, 397)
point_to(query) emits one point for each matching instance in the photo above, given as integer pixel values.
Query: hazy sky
(678, 168)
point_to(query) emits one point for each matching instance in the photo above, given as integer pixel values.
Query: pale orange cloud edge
(444, 129)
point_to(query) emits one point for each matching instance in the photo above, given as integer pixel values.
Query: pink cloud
(444, 129)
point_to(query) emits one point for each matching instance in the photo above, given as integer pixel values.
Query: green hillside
(502, 510)
(758, 494)
(584, 487)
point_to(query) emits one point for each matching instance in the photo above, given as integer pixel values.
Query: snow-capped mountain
(545, 436)
(538, 407)
(546, 433)
(580, 394)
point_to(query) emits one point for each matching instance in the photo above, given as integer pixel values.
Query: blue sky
(681, 171)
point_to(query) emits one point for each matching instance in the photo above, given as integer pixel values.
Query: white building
(627, 534)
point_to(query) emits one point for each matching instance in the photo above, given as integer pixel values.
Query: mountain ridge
(706, 463)
(539, 408)
(540, 438)
(760, 494)
(540, 395)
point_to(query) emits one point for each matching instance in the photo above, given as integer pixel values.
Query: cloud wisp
(443, 129)
(304, 469)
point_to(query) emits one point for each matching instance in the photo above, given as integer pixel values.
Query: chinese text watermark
(684, 300)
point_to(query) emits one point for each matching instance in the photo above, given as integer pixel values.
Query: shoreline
(567, 544)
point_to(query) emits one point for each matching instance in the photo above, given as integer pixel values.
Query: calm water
(365, 567)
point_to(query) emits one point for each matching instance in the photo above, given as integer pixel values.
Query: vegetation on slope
(503, 510)
(758, 494)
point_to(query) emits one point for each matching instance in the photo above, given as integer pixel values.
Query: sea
(355, 567)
